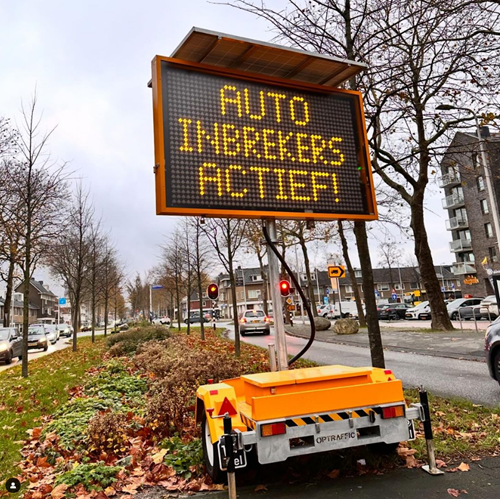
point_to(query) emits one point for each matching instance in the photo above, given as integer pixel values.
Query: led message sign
(230, 146)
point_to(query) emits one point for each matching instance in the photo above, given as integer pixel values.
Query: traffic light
(213, 291)
(284, 288)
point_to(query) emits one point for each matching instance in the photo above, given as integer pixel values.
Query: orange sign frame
(162, 207)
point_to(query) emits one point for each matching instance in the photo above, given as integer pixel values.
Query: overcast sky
(90, 62)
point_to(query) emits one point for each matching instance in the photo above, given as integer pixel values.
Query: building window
(484, 206)
(358, 274)
(488, 229)
(383, 287)
(254, 293)
(480, 183)
(414, 285)
(348, 289)
(255, 278)
(399, 286)
(493, 254)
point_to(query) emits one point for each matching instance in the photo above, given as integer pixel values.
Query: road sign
(416, 293)
(442, 289)
(336, 271)
(233, 145)
(289, 301)
(377, 294)
(327, 291)
(394, 296)
(325, 300)
(62, 301)
(157, 286)
(291, 308)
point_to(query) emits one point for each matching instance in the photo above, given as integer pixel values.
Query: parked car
(489, 307)
(421, 311)
(492, 349)
(456, 306)
(11, 344)
(195, 317)
(51, 332)
(345, 309)
(325, 310)
(85, 327)
(468, 313)
(381, 308)
(164, 321)
(65, 330)
(254, 320)
(394, 311)
(37, 338)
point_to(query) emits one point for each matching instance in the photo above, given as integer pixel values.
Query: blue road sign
(394, 296)
(157, 286)
(377, 294)
(452, 286)
(325, 300)
(327, 291)
(62, 301)
(442, 289)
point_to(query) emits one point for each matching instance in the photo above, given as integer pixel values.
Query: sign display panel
(233, 146)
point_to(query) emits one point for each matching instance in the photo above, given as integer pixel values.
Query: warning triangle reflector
(227, 407)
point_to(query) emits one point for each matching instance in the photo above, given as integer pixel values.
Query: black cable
(301, 293)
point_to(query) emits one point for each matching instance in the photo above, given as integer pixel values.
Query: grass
(462, 430)
(25, 401)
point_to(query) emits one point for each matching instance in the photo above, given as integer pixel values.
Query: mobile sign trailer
(236, 137)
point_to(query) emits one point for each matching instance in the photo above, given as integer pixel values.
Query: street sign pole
(274, 278)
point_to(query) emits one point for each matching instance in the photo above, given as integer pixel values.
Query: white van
(349, 309)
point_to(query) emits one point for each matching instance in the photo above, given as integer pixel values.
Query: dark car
(37, 339)
(381, 308)
(195, 317)
(492, 349)
(468, 313)
(394, 311)
(10, 344)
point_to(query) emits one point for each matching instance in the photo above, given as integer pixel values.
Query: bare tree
(70, 254)
(226, 236)
(39, 186)
(389, 257)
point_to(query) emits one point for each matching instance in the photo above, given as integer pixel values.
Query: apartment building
(468, 202)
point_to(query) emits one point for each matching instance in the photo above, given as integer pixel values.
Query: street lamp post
(484, 161)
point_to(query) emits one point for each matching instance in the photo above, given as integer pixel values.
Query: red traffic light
(284, 288)
(213, 291)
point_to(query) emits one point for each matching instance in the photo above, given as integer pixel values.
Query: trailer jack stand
(228, 440)
(430, 468)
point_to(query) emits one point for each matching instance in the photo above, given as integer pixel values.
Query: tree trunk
(7, 307)
(237, 348)
(200, 297)
(352, 275)
(376, 350)
(310, 285)
(439, 314)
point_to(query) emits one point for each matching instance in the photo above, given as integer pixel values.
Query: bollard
(475, 320)
(460, 319)
(272, 357)
(431, 468)
(228, 441)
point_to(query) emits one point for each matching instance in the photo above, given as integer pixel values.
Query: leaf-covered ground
(127, 423)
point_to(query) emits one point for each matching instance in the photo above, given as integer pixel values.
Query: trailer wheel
(383, 448)
(211, 454)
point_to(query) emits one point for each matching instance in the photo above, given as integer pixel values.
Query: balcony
(460, 222)
(464, 268)
(453, 201)
(460, 245)
(449, 180)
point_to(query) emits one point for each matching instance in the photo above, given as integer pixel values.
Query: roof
(243, 54)
(38, 285)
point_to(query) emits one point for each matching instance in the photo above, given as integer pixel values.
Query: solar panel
(228, 51)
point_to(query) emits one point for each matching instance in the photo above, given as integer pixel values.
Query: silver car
(253, 321)
(50, 330)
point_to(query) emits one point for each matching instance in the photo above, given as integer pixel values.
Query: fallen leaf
(464, 467)
(36, 433)
(158, 457)
(261, 488)
(441, 464)
(41, 462)
(101, 495)
(333, 474)
(59, 491)
(110, 491)
(453, 492)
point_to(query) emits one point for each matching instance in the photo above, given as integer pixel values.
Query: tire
(383, 448)
(210, 454)
(20, 357)
(394, 317)
(267, 332)
(242, 333)
(421, 317)
(45, 348)
(8, 359)
(454, 316)
(496, 365)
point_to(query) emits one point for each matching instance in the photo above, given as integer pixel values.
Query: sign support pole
(274, 278)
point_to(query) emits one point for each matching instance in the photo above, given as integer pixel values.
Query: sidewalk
(481, 482)
(467, 345)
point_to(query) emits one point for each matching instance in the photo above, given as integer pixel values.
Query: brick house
(41, 297)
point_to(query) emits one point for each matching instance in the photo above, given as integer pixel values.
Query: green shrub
(93, 476)
(126, 343)
(183, 456)
(71, 420)
(109, 385)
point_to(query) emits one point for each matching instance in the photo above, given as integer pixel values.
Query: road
(441, 376)
(60, 345)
